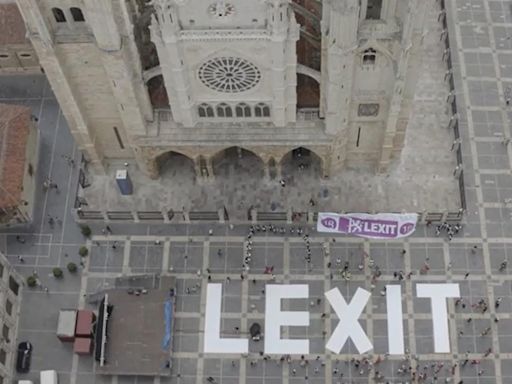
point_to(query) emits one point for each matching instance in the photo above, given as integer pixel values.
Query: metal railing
(290, 217)
(445, 35)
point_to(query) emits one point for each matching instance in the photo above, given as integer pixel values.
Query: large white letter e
(275, 319)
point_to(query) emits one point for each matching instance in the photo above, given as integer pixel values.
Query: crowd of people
(380, 368)
(410, 368)
(450, 229)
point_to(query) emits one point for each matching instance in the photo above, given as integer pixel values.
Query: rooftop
(12, 26)
(14, 133)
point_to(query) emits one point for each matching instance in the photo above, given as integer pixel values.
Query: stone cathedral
(139, 79)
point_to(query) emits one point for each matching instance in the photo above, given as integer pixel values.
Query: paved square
(199, 259)
(480, 334)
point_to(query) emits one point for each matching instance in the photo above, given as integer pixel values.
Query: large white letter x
(349, 315)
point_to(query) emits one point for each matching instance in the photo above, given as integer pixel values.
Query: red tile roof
(12, 27)
(15, 121)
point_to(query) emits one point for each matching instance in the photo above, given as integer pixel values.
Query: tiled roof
(12, 27)
(14, 131)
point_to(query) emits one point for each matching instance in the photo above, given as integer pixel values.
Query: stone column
(279, 171)
(209, 168)
(266, 171)
(266, 166)
(152, 168)
(198, 170)
(326, 166)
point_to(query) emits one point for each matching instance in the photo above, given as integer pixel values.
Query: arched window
(224, 110)
(373, 9)
(77, 14)
(59, 15)
(369, 56)
(243, 110)
(262, 110)
(205, 110)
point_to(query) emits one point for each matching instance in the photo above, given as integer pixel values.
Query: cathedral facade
(140, 79)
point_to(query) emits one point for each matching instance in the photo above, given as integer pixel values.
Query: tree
(83, 251)
(86, 230)
(72, 267)
(31, 281)
(57, 273)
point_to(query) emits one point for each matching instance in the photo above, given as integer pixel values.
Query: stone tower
(369, 70)
(89, 55)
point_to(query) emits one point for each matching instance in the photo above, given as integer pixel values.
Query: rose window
(229, 74)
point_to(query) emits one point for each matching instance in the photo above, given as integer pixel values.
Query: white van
(25, 382)
(49, 377)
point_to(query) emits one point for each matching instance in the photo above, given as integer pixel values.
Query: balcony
(308, 129)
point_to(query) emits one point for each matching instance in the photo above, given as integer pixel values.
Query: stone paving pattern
(481, 51)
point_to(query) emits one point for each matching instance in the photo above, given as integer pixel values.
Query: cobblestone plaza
(480, 46)
(183, 251)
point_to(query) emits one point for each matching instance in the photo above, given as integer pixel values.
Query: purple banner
(379, 226)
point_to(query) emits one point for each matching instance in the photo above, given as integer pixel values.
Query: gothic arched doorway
(301, 163)
(176, 166)
(235, 162)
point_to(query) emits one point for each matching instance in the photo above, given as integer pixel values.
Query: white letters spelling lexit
(348, 326)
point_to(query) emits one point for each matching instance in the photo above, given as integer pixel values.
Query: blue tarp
(166, 341)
